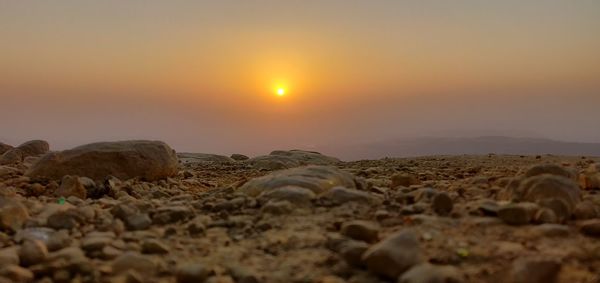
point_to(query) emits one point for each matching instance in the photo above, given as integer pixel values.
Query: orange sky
(201, 74)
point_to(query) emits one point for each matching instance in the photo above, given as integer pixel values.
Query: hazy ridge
(411, 147)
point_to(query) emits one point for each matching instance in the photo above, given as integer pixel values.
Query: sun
(281, 91)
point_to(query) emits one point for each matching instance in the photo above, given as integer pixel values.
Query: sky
(202, 75)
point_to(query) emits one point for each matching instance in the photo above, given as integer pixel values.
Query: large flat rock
(315, 178)
(284, 159)
(149, 160)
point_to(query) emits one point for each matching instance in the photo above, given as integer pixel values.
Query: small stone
(404, 180)
(191, 273)
(394, 255)
(137, 221)
(58, 240)
(154, 247)
(518, 213)
(429, 273)
(361, 230)
(95, 243)
(534, 271)
(71, 186)
(16, 273)
(442, 204)
(133, 261)
(171, 214)
(64, 219)
(33, 252)
(591, 228)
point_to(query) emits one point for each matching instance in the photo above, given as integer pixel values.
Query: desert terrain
(137, 211)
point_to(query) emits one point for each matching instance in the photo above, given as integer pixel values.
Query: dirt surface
(445, 218)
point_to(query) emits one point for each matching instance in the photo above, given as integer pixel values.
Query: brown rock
(16, 273)
(394, 255)
(361, 230)
(591, 228)
(4, 148)
(544, 187)
(552, 169)
(149, 160)
(404, 180)
(13, 214)
(429, 273)
(153, 246)
(352, 251)
(442, 204)
(585, 210)
(534, 271)
(134, 261)
(71, 186)
(518, 213)
(191, 273)
(33, 252)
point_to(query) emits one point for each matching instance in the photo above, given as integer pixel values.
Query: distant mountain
(457, 146)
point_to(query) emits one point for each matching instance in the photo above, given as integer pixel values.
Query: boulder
(4, 148)
(318, 179)
(281, 159)
(552, 169)
(548, 190)
(239, 157)
(149, 160)
(30, 148)
(293, 194)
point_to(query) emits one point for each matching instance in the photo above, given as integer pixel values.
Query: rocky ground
(137, 212)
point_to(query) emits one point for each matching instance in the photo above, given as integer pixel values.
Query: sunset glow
(213, 76)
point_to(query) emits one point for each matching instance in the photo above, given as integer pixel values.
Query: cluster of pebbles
(136, 211)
